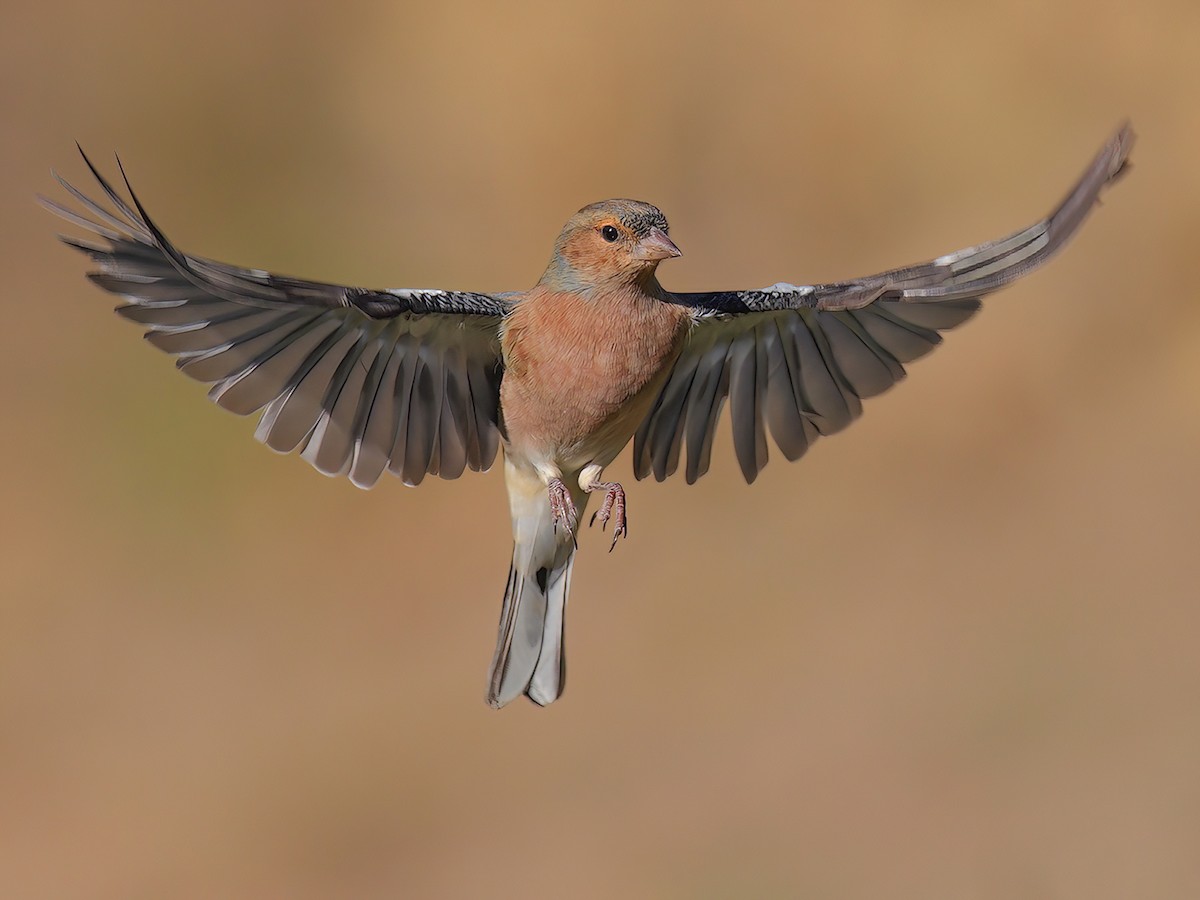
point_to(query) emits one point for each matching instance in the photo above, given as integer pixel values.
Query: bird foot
(562, 510)
(613, 508)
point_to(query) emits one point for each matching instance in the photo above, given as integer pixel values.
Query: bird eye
(609, 233)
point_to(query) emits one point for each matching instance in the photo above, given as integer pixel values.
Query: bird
(559, 378)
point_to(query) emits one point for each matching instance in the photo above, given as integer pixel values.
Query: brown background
(953, 653)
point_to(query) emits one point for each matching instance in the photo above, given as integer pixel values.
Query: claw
(613, 508)
(562, 510)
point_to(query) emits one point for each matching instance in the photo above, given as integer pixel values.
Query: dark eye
(609, 233)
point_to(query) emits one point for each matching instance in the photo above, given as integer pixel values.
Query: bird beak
(655, 246)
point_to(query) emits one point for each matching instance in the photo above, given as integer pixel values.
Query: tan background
(953, 653)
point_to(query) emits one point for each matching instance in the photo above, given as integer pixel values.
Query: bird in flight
(561, 376)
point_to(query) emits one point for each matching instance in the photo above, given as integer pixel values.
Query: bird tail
(529, 657)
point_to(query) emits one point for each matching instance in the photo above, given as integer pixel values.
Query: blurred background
(951, 653)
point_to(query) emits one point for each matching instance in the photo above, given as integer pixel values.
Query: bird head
(607, 242)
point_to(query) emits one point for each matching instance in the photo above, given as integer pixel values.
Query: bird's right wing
(799, 359)
(359, 380)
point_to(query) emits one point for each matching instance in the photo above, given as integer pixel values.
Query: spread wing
(358, 380)
(798, 360)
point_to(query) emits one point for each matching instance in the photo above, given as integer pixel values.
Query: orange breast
(581, 372)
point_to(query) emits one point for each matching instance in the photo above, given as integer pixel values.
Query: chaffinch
(562, 376)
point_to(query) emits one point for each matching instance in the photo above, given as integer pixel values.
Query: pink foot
(562, 510)
(613, 508)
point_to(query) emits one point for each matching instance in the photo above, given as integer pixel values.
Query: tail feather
(529, 657)
(550, 675)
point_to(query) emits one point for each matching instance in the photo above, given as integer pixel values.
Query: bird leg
(562, 510)
(613, 506)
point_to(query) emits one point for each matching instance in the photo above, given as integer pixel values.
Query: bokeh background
(954, 652)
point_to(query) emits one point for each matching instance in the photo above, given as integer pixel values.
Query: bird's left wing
(798, 360)
(359, 380)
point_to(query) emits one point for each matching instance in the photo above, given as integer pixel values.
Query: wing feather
(359, 381)
(799, 360)
(331, 446)
(782, 409)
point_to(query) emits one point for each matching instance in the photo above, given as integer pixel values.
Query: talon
(562, 510)
(613, 507)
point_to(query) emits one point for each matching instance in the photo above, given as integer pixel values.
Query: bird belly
(564, 427)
